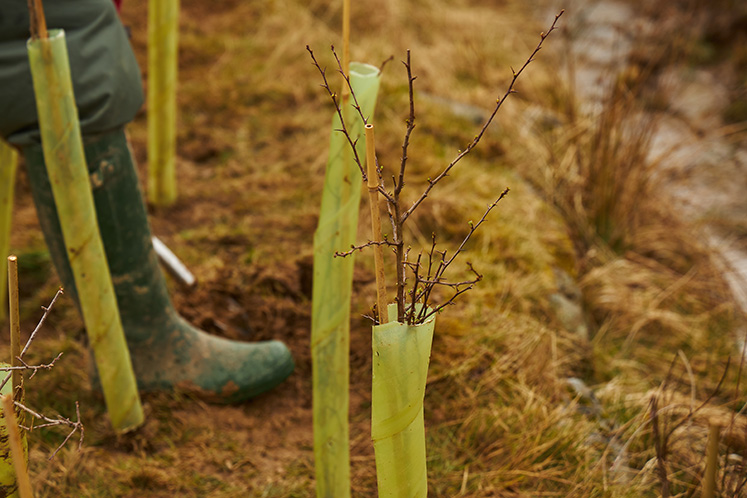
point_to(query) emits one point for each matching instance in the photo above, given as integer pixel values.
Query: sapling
(18, 365)
(415, 305)
(13, 411)
(401, 347)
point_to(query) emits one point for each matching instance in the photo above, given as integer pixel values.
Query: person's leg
(167, 352)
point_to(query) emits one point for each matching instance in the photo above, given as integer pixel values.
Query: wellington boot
(167, 353)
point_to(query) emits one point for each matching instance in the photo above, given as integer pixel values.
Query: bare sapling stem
(37, 21)
(373, 197)
(15, 322)
(709, 481)
(395, 208)
(16, 449)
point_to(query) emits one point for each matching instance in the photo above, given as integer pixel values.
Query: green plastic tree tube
(8, 164)
(332, 288)
(68, 174)
(8, 483)
(401, 354)
(163, 32)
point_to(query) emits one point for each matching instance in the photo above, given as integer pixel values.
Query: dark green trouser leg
(167, 352)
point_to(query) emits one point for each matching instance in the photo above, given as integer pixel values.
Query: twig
(410, 126)
(422, 287)
(33, 368)
(383, 64)
(33, 334)
(338, 109)
(472, 229)
(476, 140)
(353, 248)
(53, 422)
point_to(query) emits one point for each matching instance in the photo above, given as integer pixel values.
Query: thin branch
(34, 368)
(410, 126)
(450, 302)
(476, 140)
(53, 422)
(370, 243)
(472, 229)
(33, 334)
(383, 64)
(346, 76)
(338, 109)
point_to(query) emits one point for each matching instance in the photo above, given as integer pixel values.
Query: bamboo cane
(8, 166)
(163, 32)
(373, 197)
(38, 23)
(68, 174)
(15, 321)
(345, 49)
(709, 481)
(16, 447)
(8, 479)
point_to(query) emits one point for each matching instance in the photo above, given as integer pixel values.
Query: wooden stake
(37, 21)
(345, 48)
(16, 449)
(709, 480)
(15, 323)
(373, 197)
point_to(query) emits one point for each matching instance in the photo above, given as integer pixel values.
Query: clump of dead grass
(650, 287)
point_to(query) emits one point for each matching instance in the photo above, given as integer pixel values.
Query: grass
(501, 418)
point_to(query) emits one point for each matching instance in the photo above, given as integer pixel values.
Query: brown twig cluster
(54, 422)
(48, 422)
(414, 305)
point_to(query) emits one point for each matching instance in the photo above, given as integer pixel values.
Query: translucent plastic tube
(401, 354)
(8, 483)
(68, 175)
(332, 287)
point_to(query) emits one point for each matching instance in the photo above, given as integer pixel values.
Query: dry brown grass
(501, 419)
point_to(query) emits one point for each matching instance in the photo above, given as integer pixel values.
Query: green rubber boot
(167, 352)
